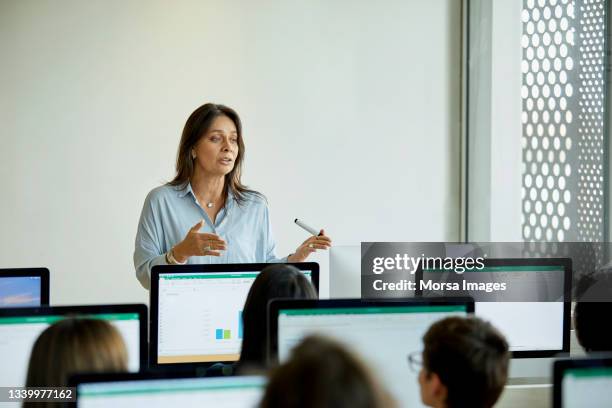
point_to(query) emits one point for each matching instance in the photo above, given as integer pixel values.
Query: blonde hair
(72, 346)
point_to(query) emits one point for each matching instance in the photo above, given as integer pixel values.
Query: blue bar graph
(240, 324)
(219, 334)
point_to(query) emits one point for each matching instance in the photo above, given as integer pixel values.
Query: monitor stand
(538, 370)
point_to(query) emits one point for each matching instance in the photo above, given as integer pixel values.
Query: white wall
(350, 109)
(506, 127)
(495, 118)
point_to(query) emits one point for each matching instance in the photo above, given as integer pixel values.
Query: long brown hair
(274, 281)
(71, 346)
(198, 123)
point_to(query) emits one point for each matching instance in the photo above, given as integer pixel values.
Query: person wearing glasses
(205, 214)
(464, 364)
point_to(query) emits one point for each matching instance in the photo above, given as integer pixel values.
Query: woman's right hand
(198, 244)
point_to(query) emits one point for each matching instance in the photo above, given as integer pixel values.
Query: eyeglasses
(415, 361)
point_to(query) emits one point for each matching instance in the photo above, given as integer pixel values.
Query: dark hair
(593, 295)
(323, 373)
(71, 346)
(198, 123)
(592, 332)
(471, 358)
(274, 281)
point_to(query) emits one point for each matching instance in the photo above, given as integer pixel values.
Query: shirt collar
(229, 203)
(183, 191)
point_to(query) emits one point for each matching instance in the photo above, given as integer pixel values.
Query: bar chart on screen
(200, 316)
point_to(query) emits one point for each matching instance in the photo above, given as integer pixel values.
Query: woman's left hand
(309, 246)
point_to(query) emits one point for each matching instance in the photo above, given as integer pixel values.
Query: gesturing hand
(198, 244)
(309, 246)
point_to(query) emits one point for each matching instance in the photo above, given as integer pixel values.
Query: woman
(205, 214)
(274, 282)
(73, 346)
(324, 374)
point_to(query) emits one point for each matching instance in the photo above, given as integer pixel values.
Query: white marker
(307, 227)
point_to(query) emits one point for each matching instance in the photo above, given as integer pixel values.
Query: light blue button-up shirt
(168, 214)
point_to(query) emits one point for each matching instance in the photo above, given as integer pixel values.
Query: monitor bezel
(42, 273)
(595, 360)
(81, 310)
(296, 304)
(566, 263)
(156, 374)
(158, 270)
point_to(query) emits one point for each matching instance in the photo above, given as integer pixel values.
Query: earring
(193, 155)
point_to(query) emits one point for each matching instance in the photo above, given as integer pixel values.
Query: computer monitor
(382, 333)
(534, 329)
(19, 329)
(584, 382)
(167, 390)
(196, 311)
(24, 287)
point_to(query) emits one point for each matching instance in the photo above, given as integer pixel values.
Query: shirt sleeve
(270, 244)
(148, 248)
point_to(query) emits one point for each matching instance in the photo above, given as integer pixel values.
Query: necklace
(209, 205)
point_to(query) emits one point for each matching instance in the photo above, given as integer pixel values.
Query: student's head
(593, 293)
(465, 364)
(591, 330)
(75, 345)
(322, 373)
(274, 282)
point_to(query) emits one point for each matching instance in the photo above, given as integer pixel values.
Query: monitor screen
(20, 291)
(540, 327)
(543, 327)
(19, 329)
(200, 315)
(24, 287)
(221, 392)
(383, 334)
(583, 383)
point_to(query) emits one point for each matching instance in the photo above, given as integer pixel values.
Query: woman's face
(217, 149)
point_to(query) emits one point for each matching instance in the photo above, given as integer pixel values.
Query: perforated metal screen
(563, 101)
